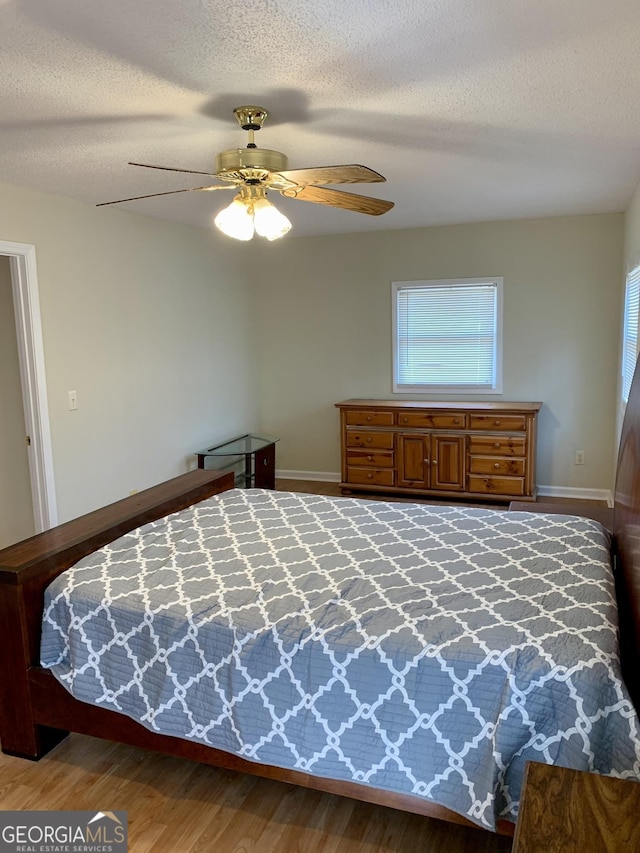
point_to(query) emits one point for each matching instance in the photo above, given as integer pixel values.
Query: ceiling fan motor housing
(234, 160)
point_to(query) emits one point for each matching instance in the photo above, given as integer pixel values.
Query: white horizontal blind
(630, 333)
(446, 334)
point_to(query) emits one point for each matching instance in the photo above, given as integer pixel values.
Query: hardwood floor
(181, 806)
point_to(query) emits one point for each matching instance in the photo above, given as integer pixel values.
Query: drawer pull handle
(456, 420)
(369, 440)
(426, 461)
(497, 423)
(496, 464)
(404, 420)
(435, 462)
(496, 444)
(368, 417)
(369, 476)
(370, 458)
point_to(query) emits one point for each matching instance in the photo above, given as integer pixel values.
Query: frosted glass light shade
(268, 220)
(236, 220)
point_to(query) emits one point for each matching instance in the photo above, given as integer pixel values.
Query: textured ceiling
(472, 109)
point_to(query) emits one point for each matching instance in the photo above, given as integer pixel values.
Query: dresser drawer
(432, 420)
(370, 476)
(496, 485)
(492, 465)
(491, 445)
(499, 423)
(373, 459)
(368, 418)
(370, 438)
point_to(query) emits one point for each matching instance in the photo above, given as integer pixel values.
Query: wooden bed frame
(36, 712)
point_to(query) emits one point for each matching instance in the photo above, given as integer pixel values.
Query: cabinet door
(413, 461)
(447, 462)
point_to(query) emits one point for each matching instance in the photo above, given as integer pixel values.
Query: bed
(446, 722)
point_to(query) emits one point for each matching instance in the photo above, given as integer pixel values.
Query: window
(447, 336)
(630, 330)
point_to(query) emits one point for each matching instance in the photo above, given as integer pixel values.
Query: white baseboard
(572, 493)
(568, 492)
(320, 476)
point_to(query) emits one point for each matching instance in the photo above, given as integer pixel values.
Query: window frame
(632, 278)
(457, 389)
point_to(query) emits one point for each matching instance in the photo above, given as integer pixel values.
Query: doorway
(16, 506)
(28, 422)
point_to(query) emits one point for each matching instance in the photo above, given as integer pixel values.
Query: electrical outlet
(579, 457)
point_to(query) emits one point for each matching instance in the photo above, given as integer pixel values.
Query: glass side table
(251, 457)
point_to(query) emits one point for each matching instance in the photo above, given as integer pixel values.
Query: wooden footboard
(27, 568)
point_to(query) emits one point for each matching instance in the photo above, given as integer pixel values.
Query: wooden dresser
(442, 449)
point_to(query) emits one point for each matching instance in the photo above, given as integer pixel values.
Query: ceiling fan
(256, 170)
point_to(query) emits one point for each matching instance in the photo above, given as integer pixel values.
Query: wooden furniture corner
(569, 811)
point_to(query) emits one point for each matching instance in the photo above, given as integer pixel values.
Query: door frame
(26, 303)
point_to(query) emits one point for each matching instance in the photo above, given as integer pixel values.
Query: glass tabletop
(249, 443)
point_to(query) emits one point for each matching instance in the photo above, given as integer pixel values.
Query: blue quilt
(428, 651)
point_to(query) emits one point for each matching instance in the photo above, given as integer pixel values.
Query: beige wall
(150, 323)
(324, 308)
(172, 339)
(16, 509)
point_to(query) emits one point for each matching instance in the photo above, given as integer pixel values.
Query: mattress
(421, 650)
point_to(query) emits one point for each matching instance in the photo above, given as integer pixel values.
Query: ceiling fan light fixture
(236, 220)
(250, 213)
(268, 221)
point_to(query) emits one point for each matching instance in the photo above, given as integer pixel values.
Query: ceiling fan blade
(171, 169)
(170, 192)
(353, 174)
(337, 198)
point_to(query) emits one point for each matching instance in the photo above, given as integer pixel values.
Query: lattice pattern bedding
(423, 650)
